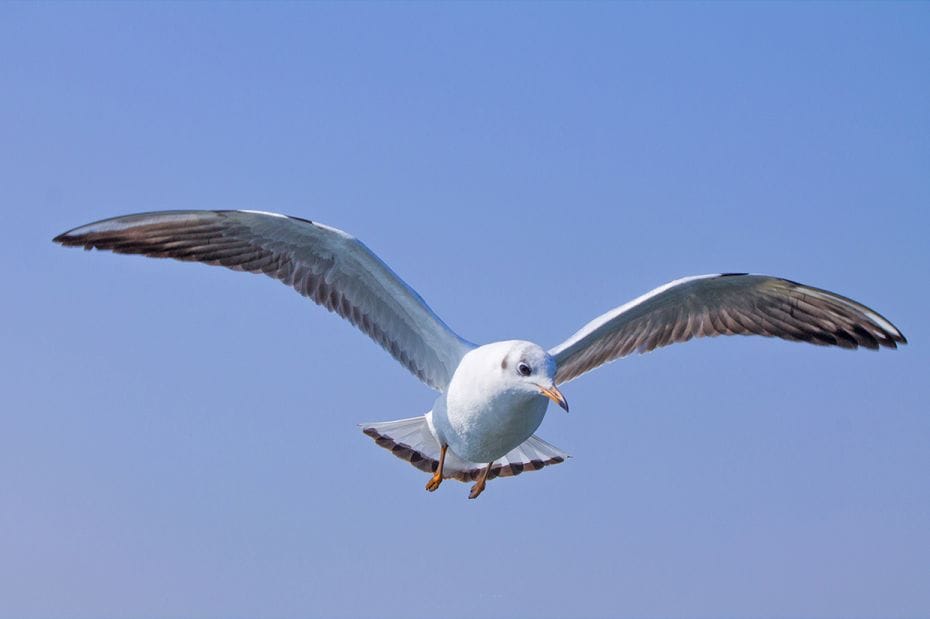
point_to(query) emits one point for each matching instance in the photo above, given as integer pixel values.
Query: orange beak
(555, 395)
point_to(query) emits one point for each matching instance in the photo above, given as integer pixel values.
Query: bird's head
(525, 366)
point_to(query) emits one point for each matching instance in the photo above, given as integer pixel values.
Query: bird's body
(485, 412)
(492, 398)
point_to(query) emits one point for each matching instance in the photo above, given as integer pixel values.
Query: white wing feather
(327, 265)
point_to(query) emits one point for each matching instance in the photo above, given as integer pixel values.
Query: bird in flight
(493, 397)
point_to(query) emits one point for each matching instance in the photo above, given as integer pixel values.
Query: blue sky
(180, 441)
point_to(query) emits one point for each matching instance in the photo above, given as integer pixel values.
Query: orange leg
(436, 479)
(478, 488)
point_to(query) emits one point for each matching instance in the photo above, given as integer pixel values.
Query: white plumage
(492, 397)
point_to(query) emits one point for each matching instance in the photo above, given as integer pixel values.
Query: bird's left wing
(327, 265)
(727, 304)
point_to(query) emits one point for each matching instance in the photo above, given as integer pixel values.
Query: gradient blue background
(180, 441)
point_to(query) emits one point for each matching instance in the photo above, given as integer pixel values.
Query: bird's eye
(524, 369)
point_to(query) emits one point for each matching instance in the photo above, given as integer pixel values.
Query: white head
(520, 367)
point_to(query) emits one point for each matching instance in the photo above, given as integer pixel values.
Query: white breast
(482, 416)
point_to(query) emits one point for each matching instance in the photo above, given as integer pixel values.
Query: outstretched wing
(727, 304)
(327, 265)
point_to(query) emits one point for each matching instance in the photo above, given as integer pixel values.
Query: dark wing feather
(326, 265)
(730, 304)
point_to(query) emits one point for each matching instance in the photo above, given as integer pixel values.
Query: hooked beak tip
(555, 395)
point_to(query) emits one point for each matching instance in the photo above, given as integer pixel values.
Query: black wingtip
(65, 239)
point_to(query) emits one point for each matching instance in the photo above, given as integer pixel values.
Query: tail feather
(413, 441)
(532, 455)
(408, 439)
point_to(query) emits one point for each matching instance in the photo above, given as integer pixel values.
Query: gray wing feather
(728, 304)
(326, 265)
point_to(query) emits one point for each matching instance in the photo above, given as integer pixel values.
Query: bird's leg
(478, 488)
(436, 479)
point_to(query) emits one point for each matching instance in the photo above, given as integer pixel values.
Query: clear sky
(180, 441)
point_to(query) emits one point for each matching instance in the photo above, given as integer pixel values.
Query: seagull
(492, 398)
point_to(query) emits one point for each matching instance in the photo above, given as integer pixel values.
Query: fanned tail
(412, 440)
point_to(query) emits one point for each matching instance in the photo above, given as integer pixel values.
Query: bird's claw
(476, 490)
(433, 483)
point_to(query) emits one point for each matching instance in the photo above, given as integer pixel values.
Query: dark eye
(524, 369)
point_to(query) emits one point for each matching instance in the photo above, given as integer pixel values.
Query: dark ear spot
(504, 363)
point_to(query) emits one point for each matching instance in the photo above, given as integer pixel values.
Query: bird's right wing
(726, 304)
(327, 265)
